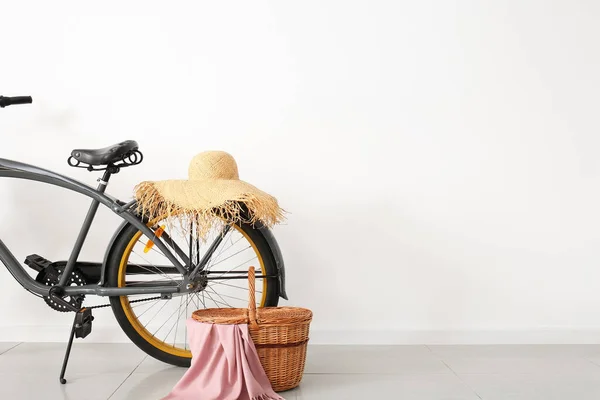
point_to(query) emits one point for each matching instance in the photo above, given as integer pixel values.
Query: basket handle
(252, 297)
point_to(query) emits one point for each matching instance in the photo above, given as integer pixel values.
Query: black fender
(267, 234)
(276, 251)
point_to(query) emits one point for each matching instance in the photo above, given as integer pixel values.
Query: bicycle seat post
(87, 223)
(103, 182)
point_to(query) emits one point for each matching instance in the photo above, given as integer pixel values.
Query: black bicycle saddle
(107, 155)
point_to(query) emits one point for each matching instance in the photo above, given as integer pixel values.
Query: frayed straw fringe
(153, 205)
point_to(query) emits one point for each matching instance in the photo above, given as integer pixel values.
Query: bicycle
(175, 270)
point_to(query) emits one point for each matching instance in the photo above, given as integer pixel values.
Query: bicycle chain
(131, 301)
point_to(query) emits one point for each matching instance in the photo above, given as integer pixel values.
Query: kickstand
(82, 326)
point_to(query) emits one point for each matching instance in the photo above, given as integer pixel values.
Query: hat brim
(233, 201)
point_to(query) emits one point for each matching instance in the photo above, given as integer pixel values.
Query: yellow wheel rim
(132, 317)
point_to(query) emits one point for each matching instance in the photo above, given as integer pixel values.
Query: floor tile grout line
(591, 361)
(125, 380)
(9, 349)
(461, 380)
(381, 373)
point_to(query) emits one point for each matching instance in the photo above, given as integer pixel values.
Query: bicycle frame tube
(15, 169)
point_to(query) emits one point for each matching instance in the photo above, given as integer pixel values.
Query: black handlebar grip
(21, 100)
(9, 101)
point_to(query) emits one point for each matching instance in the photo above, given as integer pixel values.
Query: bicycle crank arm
(60, 301)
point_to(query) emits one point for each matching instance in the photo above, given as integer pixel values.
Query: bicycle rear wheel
(157, 326)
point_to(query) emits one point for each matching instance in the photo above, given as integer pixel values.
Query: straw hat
(213, 190)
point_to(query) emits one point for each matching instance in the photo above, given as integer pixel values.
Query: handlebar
(9, 101)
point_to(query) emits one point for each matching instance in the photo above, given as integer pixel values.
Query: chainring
(50, 276)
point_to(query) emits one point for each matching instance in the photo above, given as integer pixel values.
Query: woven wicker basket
(280, 335)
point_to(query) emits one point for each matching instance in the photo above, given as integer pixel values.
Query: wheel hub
(198, 284)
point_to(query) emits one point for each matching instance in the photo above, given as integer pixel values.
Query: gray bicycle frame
(15, 169)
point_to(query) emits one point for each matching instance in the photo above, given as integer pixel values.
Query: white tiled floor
(121, 371)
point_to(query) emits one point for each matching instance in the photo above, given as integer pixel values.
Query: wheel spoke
(231, 297)
(177, 322)
(151, 265)
(234, 254)
(236, 267)
(160, 325)
(213, 300)
(230, 285)
(225, 301)
(191, 246)
(142, 304)
(223, 249)
(200, 300)
(167, 320)
(225, 238)
(218, 303)
(155, 303)
(164, 305)
(186, 312)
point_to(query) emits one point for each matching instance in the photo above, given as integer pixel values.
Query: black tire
(112, 271)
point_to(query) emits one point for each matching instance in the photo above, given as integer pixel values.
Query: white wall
(439, 159)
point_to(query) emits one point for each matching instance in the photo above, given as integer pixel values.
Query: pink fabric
(225, 366)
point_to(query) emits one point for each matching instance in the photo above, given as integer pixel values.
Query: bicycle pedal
(37, 262)
(83, 322)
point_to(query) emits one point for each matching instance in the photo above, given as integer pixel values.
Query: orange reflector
(150, 243)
